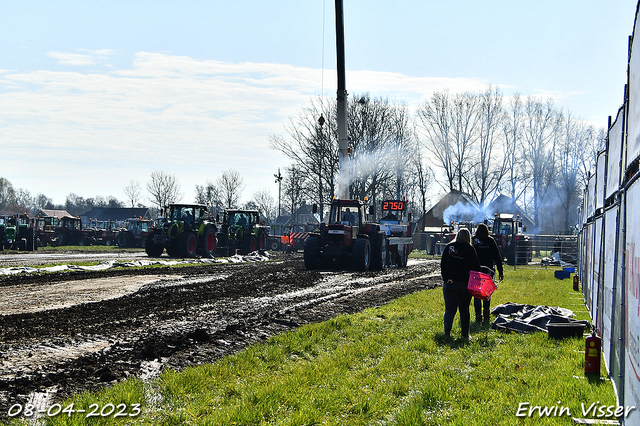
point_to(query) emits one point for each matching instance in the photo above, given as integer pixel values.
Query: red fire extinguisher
(592, 354)
(576, 282)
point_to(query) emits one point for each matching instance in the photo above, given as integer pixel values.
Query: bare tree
(515, 180)
(294, 189)
(311, 142)
(465, 122)
(488, 171)
(539, 137)
(436, 119)
(7, 194)
(370, 133)
(573, 151)
(164, 189)
(266, 203)
(43, 202)
(133, 192)
(209, 195)
(230, 184)
(422, 180)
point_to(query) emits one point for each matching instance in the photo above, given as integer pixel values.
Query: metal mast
(343, 141)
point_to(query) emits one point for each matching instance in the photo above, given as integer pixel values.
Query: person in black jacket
(459, 257)
(488, 255)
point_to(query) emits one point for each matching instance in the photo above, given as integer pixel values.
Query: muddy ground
(76, 331)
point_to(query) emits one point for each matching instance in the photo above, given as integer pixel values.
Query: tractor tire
(173, 251)
(312, 252)
(379, 247)
(152, 249)
(250, 244)
(62, 238)
(30, 236)
(274, 246)
(362, 254)
(187, 244)
(22, 244)
(124, 240)
(208, 245)
(511, 255)
(108, 242)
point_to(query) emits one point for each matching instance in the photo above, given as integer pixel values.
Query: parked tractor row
(189, 230)
(16, 233)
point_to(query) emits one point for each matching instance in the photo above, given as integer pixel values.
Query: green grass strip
(384, 366)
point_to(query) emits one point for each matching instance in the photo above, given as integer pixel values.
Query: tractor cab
(344, 222)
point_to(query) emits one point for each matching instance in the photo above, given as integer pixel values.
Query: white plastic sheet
(632, 295)
(600, 179)
(610, 226)
(633, 135)
(614, 155)
(253, 257)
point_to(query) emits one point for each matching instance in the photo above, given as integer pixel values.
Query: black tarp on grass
(528, 318)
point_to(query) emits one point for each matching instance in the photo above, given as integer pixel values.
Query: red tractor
(134, 233)
(106, 232)
(347, 238)
(68, 232)
(514, 246)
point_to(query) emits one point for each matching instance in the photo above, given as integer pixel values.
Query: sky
(95, 95)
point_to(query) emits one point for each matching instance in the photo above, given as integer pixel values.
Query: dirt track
(76, 331)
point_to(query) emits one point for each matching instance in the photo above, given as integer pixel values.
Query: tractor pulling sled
(346, 238)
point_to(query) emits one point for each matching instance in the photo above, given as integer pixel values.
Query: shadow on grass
(451, 341)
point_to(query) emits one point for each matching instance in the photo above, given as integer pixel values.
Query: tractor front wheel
(208, 242)
(312, 252)
(362, 254)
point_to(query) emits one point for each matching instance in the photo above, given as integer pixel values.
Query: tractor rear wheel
(379, 248)
(187, 244)
(312, 252)
(249, 244)
(362, 254)
(152, 249)
(208, 242)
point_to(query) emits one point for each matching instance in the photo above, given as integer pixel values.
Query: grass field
(384, 366)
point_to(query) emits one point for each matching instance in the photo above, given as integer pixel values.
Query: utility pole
(343, 141)
(279, 182)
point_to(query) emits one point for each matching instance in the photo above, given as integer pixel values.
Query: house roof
(53, 213)
(455, 205)
(504, 204)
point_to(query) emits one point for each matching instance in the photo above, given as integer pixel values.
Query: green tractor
(188, 231)
(243, 231)
(17, 233)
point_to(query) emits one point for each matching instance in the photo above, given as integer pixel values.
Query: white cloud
(66, 58)
(95, 131)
